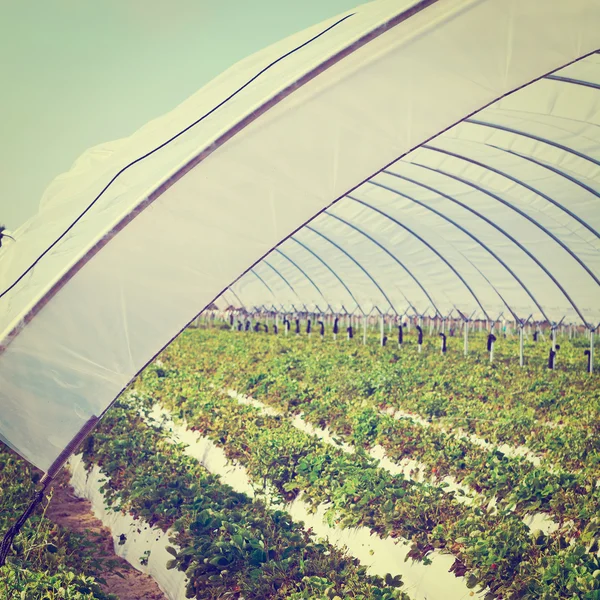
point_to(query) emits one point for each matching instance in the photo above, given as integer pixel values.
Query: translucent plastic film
(125, 252)
(499, 214)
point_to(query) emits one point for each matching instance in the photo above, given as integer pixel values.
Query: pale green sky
(75, 73)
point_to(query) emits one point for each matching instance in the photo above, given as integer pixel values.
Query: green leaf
(258, 557)
(219, 561)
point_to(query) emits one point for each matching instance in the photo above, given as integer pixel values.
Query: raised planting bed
(312, 379)
(226, 543)
(46, 561)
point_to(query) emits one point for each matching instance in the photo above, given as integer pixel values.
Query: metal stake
(591, 351)
(521, 358)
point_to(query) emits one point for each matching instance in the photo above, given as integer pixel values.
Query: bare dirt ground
(75, 514)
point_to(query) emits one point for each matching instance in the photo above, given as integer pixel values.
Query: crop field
(481, 478)
(48, 561)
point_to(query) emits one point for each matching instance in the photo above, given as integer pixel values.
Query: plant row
(498, 403)
(570, 355)
(493, 548)
(227, 544)
(46, 561)
(513, 481)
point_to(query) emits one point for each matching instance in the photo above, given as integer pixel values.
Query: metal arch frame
(301, 271)
(589, 84)
(460, 227)
(284, 309)
(531, 136)
(422, 315)
(263, 282)
(508, 235)
(227, 299)
(436, 252)
(266, 262)
(391, 254)
(329, 309)
(512, 312)
(570, 178)
(388, 315)
(518, 182)
(230, 289)
(275, 309)
(566, 149)
(306, 311)
(357, 264)
(520, 212)
(330, 269)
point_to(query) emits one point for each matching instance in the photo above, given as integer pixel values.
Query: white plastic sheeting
(142, 233)
(142, 546)
(379, 555)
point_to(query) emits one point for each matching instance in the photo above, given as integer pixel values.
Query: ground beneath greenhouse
(75, 514)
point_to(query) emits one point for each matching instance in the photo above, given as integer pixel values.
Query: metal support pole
(381, 329)
(591, 351)
(466, 331)
(364, 330)
(521, 357)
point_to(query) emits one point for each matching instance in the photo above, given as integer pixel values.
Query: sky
(76, 73)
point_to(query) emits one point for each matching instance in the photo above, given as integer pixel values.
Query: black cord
(12, 532)
(177, 135)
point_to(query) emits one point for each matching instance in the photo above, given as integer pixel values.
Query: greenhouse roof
(424, 156)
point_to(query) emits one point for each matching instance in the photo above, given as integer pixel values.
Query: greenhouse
(327, 329)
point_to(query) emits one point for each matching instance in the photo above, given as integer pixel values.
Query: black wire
(177, 135)
(12, 532)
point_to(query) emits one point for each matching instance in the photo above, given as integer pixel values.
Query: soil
(75, 514)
